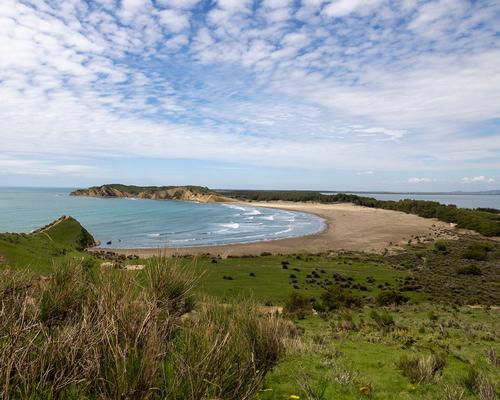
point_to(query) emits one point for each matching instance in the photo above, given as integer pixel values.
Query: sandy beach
(349, 227)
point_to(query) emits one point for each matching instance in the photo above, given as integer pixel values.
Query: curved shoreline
(347, 227)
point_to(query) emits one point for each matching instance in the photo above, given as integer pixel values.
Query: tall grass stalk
(127, 335)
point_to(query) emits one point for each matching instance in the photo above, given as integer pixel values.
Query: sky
(266, 94)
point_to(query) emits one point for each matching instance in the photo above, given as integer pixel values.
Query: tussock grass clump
(476, 382)
(421, 368)
(121, 335)
(383, 319)
(223, 352)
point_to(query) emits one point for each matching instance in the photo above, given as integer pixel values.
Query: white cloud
(257, 86)
(180, 4)
(341, 8)
(421, 180)
(477, 179)
(369, 172)
(36, 167)
(174, 20)
(131, 8)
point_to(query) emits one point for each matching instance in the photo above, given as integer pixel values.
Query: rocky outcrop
(184, 193)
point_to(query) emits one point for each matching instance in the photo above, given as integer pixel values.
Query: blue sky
(276, 94)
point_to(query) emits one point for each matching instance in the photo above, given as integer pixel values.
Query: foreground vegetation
(484, 221)
(83, 334)
(418, 324)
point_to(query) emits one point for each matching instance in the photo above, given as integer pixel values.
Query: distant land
(186, 193)
(458, 192)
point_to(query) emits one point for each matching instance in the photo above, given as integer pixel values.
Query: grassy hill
(419, 324)
(62, 238)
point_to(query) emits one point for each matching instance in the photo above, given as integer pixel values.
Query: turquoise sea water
(136, 223)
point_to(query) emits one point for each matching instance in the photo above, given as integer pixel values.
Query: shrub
(477, 251)
(469, 270)
(421, 368)
(335, 298)
(298, 305)
(387, 298)
(440, 245)
(384, 320)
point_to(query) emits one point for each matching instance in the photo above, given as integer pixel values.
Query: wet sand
(349, 227)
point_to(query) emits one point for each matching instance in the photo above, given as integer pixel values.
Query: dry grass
(478, 383)
(421, 368)
(120, 335)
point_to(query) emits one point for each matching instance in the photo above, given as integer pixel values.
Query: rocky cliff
(185, 193)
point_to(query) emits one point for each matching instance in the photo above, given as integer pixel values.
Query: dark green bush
(382, 319)
(469, 270)
(387, 298)
(477, 251)
(440, 245)
(298, 305)
(336, 298)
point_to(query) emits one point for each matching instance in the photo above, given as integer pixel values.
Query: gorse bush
(388, 298)
(477, 251)
(441, 246)
(469, 270)
(121, 335)
(298, 306)
(336, 298)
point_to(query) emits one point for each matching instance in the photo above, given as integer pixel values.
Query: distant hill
(459, 192)
(64, 236)
(185, 193)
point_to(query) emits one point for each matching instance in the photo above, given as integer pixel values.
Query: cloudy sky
(300, 94)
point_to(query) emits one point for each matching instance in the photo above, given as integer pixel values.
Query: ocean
(137, 223)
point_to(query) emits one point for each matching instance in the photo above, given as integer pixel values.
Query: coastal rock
(184, 193)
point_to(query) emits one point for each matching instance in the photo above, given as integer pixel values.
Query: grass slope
(442, 344)
(62, 238)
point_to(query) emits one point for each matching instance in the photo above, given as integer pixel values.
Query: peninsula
(185, 193)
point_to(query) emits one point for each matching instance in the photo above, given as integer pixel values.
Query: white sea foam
(152, 235)
(253, 212)
(232, 225)
(234, 207)
(268, 217)
(289, 229)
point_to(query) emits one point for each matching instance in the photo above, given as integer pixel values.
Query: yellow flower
(294, 397)
(365, 389)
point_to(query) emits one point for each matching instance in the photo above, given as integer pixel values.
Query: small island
(185, 193)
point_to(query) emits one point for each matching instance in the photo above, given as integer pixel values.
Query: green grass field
(442, 344)
(40, 250)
